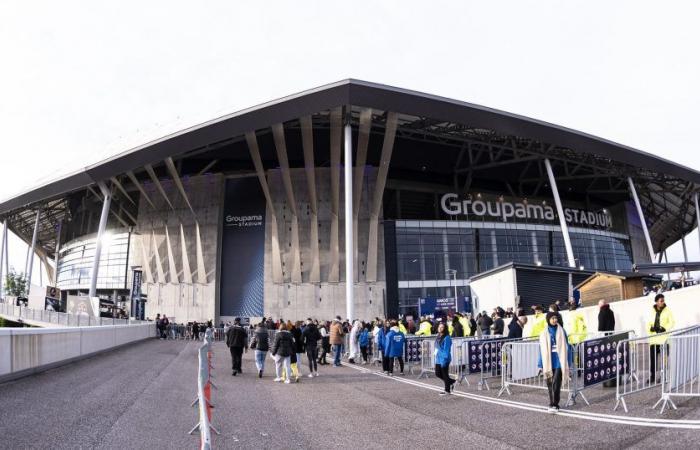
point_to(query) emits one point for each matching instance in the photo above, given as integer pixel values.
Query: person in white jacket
(354, 341)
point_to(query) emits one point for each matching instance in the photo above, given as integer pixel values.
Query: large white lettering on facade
(504, 210)
(243, 221)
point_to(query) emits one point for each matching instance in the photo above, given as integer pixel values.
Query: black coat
(298, 340)
(498, 326)
(236, 336)
(606, 319)
(472, 326)
(284, 344)
(311, 336)
(457, 328)
(261, 340)
(514, 329)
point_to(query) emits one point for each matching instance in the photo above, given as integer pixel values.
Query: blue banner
(440, 307)
(243, 249)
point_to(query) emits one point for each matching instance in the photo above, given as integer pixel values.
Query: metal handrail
(203, 399)
(60, 318)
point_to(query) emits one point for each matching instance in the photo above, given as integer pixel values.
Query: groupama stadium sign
(505, 211)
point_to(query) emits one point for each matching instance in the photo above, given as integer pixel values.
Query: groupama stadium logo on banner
(244, 221)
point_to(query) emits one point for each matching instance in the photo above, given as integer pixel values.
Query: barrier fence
(203, 400)
(681, 369)
(62, 319)
(639, 359)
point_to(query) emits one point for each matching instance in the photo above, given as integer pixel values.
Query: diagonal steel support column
(186, 272)
(560, 213)
(382, 173)
(107, 194)
(172, 268)
(349, 246)
(362, 145)
(697, 215)
(154, 178)
(119, 186)
(252, 141)
(281, 146)
(134, 180)
(30, 251)
(159, 264)
(178, 182)
(336, 143)
(307, 139)
(633, 191)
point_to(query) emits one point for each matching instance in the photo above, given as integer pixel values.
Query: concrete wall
(494, 290)
(176, 297)
(634, 314)
(27, 350)
(322, 300)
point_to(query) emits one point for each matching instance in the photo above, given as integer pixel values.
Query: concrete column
(560, 213)
(98, 241)
(685, 256)
(633, 191)
(30, 256)
(349, 246)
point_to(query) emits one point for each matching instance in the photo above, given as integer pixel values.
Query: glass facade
(76, 257)
(427, 249)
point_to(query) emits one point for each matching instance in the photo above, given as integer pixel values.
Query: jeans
(236, 358)
(300, 361)
(444, 374)
(312, 355)
(260, 359)
(285, 361)
(337, 348)
(486, 331)
(554, 387)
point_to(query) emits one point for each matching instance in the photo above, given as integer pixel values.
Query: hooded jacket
(284, 344)
(364, 338)
(660, 321)
(425, 328)
(443, 351)
(261, 339)
(311, 336)
(394, 343)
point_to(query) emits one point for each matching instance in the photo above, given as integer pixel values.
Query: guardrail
(637, 358)
(28, 350)
(63, 319)
(203, 399)
(681, 368)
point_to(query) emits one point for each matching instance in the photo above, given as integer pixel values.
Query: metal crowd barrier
(681, 368)
(203, 399)
(489, 354)
(634, 361)
(59, 318)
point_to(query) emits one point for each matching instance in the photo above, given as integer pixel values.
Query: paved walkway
(138, 397)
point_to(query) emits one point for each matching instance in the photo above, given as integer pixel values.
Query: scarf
(562, 350)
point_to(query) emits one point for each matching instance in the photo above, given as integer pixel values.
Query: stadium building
(253, 213)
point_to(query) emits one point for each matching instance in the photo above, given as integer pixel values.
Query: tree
(15, 283)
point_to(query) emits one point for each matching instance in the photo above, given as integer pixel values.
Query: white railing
(27, 350)
(203, 400)
(62, 319)
(681, 368)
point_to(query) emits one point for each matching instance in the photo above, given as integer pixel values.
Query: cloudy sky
(81, 81)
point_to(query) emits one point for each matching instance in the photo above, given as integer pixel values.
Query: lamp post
(453, 272)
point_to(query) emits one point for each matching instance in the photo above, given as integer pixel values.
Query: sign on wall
(243, 249)
(137, 310)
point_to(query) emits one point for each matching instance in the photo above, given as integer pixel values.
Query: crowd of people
(291, 345)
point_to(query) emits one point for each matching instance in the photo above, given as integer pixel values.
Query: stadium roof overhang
(440, 144)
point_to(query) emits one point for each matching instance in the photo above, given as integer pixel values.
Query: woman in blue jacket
(364, 342)
(394, 343)
(443, 357)
(556, 358)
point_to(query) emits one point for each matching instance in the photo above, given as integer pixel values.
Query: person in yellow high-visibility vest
(661, 321)
(539, 322)
(576, 325)
(425, 328)
(465, 325)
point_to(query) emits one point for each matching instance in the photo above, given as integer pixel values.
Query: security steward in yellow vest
(576, 326)
(425, 328)
(539, 322)
(661, 321)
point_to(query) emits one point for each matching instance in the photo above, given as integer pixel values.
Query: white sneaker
(277, 380)
(311, 375)
(287, 381)
(316, 374)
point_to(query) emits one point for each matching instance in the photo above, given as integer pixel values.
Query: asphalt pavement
(139, 397)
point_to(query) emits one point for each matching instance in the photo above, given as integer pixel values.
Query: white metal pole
(633, 191)
(98, 241)
(55, 259)
(685, 257)
(349, 253)
(560, 213)
(30, 263)
(456, 299)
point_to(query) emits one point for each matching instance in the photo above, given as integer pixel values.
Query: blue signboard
(442, 306)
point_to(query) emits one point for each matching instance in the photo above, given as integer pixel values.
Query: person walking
(363, 340)
(237, 342)
(298, 347)
(282, 350)
(555, 359)
(394, 343)
(354, 344)
(336, 340)
(261, 345)
(443, 357)
(325, 343)
(606, 318)
(660, 322)
(311, 336)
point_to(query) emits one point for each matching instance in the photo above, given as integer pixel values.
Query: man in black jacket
(606, 318)
(311, 336)
(457, 328)
(237, 341)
